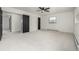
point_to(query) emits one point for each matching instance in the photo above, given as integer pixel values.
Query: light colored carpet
(37, 41)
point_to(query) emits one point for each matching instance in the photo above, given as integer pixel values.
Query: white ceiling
(52, 9)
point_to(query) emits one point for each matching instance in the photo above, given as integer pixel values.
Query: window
(52, 20)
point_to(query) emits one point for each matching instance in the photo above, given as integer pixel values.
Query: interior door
(39, 23)
(25, 23)
(10, 24)
(0, 23)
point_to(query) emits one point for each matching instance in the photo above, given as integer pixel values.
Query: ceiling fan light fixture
(44, 9)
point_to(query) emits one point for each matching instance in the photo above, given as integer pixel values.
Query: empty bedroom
(39, 29)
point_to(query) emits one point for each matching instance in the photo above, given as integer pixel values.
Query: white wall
(16, 23)
(5, 21)
(33, 23)
(64, 22)
(77, 32)
(76, 24)
(16, 19)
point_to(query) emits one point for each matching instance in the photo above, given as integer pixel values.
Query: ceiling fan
(43, 9)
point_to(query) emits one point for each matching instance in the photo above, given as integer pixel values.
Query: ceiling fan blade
(46, 10)
(43, 9)
(40, 8)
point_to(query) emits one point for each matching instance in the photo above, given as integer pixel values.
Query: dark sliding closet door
(0, 23)
(39, 21)
(25, 23)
